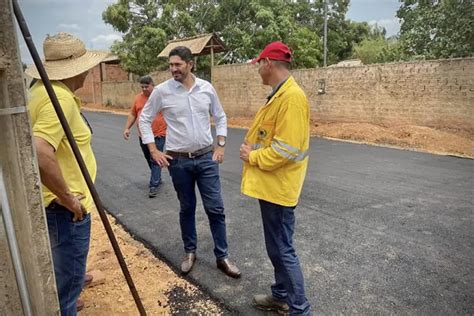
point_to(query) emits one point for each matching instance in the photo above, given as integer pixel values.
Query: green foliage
(377, 50)
(245, 26)
(138, 52)
(436, 29)
(307, 50)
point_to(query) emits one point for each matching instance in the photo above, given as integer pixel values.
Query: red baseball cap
(276, 51)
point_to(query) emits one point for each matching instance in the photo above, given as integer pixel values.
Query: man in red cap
(275, 155)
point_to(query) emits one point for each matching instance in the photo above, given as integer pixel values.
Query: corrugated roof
(199, 45)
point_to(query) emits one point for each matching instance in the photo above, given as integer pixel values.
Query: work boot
(269, 303)
(188, 262)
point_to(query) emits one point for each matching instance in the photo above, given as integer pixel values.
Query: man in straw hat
(66, 196)
(275, 162)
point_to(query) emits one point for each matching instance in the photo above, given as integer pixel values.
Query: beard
(179, 76)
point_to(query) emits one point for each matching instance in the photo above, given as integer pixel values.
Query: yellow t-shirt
(45, 124)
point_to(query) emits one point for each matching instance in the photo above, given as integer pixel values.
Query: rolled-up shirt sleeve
(218, 113)
(152, 106)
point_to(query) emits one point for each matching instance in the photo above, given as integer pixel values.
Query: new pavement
(379, 230)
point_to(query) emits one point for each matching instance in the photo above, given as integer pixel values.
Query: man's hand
(218, 154)
(245, 150)
(126, 133)
(74, 205)
(161, 158)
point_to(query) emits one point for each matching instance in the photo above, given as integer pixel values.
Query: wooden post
(212, 52)
(22, 183)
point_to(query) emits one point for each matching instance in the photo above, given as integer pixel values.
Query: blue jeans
(278, 228)
(69, 245)
(203, 171)
(155, 177)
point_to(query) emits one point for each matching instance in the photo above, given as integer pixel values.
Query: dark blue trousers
(203, 172)
(155, 177)
(278, 228)
(70, 246)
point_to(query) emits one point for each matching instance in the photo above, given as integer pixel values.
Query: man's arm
(219, 150)
(151, 108)
(148, 114)
(218, 113)
(132, 117)
(291, 132)
(52, 178)
(220, 119)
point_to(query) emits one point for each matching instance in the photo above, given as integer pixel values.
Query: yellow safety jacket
(280, 140)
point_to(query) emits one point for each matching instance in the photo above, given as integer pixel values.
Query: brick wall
(121, 94)
(91, 92)
(436, 93)
(114, 72)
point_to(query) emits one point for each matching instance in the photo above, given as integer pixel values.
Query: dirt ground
(448, 141)
(410, 137)
(162, 291)
(171, 294)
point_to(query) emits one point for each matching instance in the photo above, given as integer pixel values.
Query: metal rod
(54, 100)
(212, 52)
(13, 246)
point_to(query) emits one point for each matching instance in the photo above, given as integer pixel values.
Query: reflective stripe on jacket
(279, 136)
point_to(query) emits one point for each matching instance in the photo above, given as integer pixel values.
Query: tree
(436, 29)
(377, 50)
(246, 26)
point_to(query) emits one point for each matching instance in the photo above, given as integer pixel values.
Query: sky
(381, 12)
(83, 18)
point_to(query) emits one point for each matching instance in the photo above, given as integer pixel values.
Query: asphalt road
(379, 230)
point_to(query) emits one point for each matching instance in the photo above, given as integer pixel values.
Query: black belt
(54, 206)
(194, 154)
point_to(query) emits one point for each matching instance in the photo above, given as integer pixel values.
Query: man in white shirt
(187, 103)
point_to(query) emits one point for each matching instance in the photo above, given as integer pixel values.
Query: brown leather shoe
(269, 303)
(88, 280)
(79, 305)
(228, 268)
(188, 262)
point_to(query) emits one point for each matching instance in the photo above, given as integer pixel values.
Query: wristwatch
(221, 142)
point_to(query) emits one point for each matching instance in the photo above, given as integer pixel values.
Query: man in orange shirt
(159, 131)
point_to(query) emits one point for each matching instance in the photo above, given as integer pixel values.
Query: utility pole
(325, 32)
(21, 193)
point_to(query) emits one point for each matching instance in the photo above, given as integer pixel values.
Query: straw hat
(66, 57)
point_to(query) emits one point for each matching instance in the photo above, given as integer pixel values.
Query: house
(109, 70)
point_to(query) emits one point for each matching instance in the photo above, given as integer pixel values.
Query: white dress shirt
(187, 114)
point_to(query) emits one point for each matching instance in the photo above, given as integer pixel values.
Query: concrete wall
(437, 93)
(22, 182)
(160, 76)
(121, 94)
